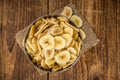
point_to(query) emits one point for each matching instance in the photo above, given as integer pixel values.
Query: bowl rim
(28, 56)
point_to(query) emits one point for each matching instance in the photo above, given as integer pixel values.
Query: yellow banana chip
(29, 50)
(75, 35)
(31, 32)
(34, 42)
(68, 64)
(62, 19)
(56, 69)
(82, 34)
(43, 65)
(37, 24)
(29, 42)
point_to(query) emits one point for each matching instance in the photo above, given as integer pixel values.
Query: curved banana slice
(57, 30)
(31, 32)
(57, 68)
(39, 47)
(67, 38)
(67, 12)
(49, 62)
(68, 64)
(72, 58)
(29, 50)
(82, 34)
(66, 24)
(68, 30)
(43, 26)
(34, 42)
(43, 65)
(47, 42)
(72, 50)
(72, 43)
(49, 53)
(62, 19)
(63, 57)
(79, 45)
(75, 35)
(51, 21)
(77, 20)
(29, 42)
(39, 22)
(79, 41)
(37, 57)
(76, 45)
(59, 42)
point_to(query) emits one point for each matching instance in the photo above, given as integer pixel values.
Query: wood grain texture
(101, 62)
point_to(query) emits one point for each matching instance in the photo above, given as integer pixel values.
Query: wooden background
(101, 62)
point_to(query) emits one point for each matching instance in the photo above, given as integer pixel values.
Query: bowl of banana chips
(54, 42)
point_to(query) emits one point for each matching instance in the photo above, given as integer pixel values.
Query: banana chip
(49, 62)
(34, 42)
(37, 24)
(68, 64)
(56, 30)
(82, 34)
(52, 21)
(75, 35)
(29, 50)
(62, 19)
(67, 12)
(43, 65)
(77, 20)
(29, 42)
(31, 32)
(56, 69)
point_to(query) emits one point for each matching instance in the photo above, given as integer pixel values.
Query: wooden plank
(8, 41)
(118, 37)
(18, 15)
(112, 67)
(1, 66)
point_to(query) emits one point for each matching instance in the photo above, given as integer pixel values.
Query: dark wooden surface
(101, 62)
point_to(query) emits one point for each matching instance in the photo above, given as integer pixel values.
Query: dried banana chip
(38, 23)
(43, 65)
(34, 42)
(50, 62)
(73, 58)
(72, 43)
(67, 65)
(75, 35)
(31, 32)
(76, 45)
(40, 30)
(68, 24)
(67, 12)
(56, 69)
(62, 19)
(51, 21)
(29, 50)
(56, 30)
(29, 42)
(82, 34)
(77, 20)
